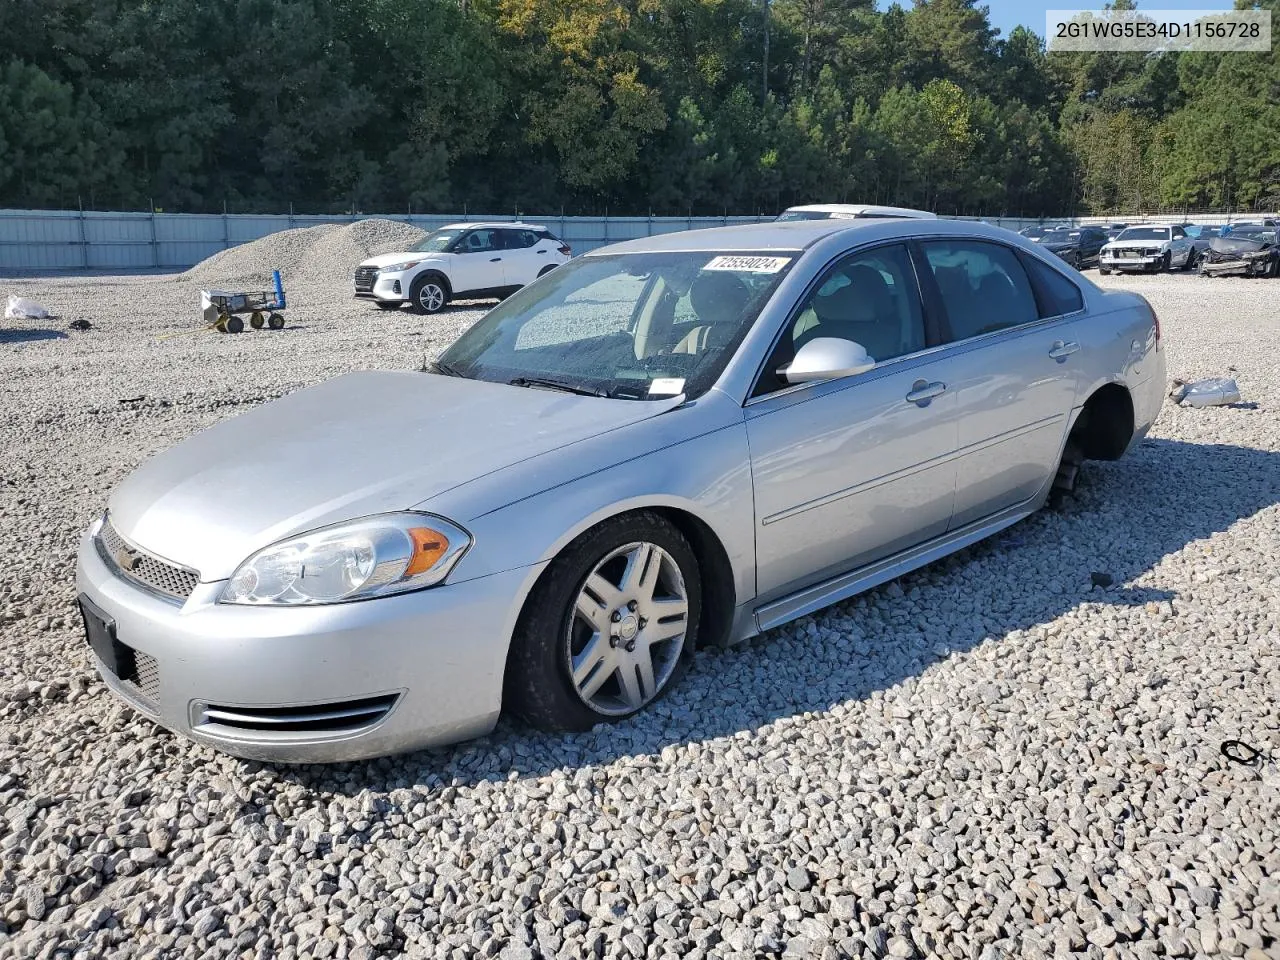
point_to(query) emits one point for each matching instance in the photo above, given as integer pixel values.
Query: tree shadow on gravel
(30, 336)
(1125, 519)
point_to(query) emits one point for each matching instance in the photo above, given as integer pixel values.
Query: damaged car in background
(1246, 252)
(1151, 248)
(1079, 247)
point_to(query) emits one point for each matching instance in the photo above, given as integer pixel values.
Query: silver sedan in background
(666, 444)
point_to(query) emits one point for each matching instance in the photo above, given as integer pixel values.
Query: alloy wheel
(431, 297)
(628, 628)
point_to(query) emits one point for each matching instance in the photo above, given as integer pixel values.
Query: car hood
(357, 445)
(1238, 245)
(387, 259)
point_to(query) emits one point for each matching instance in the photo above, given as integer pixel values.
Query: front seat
(719, 300)
(862, 311)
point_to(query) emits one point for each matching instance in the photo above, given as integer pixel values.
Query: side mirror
(827, 358)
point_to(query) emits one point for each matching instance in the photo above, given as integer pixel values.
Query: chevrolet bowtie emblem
(128, 559)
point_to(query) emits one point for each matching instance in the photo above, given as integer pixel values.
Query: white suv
(851, 211)
(474, 261)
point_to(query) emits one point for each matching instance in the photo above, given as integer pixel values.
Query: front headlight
(374, 557)
(399, 267)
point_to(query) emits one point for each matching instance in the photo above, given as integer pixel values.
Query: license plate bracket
(100, 634)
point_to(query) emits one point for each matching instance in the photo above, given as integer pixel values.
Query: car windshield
(1034, 233)
(804, 215)
(437, 241)
(635, 326)
(1144, 233)
(1061, 236)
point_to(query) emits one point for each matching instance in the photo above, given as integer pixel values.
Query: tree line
(619, 106)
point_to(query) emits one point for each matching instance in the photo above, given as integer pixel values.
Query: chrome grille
(146, 679)
(151, 572)
(365, 277)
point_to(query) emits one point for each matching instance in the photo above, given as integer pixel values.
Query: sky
(1007, 14)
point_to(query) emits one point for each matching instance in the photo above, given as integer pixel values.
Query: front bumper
(385, 287)
(432, 660)
(1143, 262)
(1245, 268)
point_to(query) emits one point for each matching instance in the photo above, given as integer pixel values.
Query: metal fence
(32, 240)
(39, 240)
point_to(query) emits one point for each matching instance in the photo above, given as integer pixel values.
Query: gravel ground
(988, 758)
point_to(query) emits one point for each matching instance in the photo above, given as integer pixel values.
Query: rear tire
(275, 321)
(1064, 481)
(595, 613)
(235, 325)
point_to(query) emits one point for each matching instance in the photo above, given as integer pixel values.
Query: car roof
(795, 236)
(861, 210)
(491, 225)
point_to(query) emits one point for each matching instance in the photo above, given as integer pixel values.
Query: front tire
(609, 628)
(428, 294)
(1165, 263)
(1104, 271)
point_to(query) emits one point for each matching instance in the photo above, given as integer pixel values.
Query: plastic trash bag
(1211, 392)
(20, 308)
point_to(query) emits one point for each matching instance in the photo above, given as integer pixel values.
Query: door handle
(494, 259)
(922, 392)
(1060, 351)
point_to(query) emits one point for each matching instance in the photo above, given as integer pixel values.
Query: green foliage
(634, 106)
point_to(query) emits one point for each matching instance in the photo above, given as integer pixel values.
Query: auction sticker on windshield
(666, 386)
(748, 264)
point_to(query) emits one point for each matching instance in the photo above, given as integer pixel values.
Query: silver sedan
(667, 444)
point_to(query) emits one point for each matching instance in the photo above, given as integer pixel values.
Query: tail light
(565, 249)
(1155, 318)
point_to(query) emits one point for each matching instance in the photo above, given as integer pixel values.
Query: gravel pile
(989, 758)
(322, 256)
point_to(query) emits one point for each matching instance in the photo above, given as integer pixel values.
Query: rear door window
(983, 286)
(1056, 296)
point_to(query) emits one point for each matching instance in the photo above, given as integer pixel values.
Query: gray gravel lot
(988, 758)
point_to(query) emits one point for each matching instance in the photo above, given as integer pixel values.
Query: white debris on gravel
(988, 758)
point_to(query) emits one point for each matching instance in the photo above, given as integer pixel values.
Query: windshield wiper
(447, 369)
(556, 385)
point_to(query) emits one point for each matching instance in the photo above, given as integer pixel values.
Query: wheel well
(1105, 425)
(448, 287)
(547, 269)
(719, 596)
